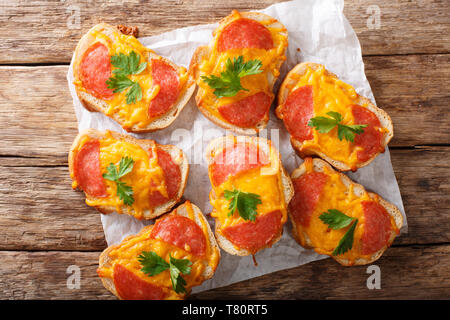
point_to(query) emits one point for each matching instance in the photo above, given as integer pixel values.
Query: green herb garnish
(336, 220)
(124, 192)
(152, 264)
(244, 202)
(126, 65)
(229, 82)
(325, 125)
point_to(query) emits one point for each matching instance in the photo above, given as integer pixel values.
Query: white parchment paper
(318, 32)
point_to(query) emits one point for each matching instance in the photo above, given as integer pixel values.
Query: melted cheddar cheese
(330, 94)
(146, 176)
(134, 114)
(126, 254)
(264, 181)
(336, 195)
(216, 63)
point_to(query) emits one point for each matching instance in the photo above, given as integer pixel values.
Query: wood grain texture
(37, 107)
(40, 211)
(37, 110)
(412, 90)
(424, 271)
(407, 63)
(48, 215)
(49, 30)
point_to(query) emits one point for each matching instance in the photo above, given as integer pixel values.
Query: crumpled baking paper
(318, 32)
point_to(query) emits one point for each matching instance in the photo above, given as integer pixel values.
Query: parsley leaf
(322, 124)
(325, 125)
(229, 82)
(126, 65)
(348, 131)
(125, 166)
(111, 173)
(244, 202)
(152, 264)
(135, 93)
(119, 83)
(178, 267)
(346, 243)
(336, 220)
(124, 192)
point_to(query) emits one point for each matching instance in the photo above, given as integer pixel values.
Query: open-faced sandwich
(250, 193)
(338, 217)
(120, 173)
(237, 71)
(163, 261)
(116, 75)
(326, 117)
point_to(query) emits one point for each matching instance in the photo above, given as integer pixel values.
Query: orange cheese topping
(336, 195)
(134, 114)
(216, 63)
(126, 254)
(145, 177)
(330, 94)
(264, 181)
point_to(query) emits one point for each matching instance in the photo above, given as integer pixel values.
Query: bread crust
(283, 93)
(288, 189)
(358, 189)
(178, 156)
(204, 52)
(94, 104)
(105, 261)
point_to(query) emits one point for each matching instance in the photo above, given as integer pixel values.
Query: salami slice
(307, 190)
(235, 159)
(370, 139)
(87, 169)
(166, 77)
(95, 69)
(244, 33)
(181, 232)
(130, 287)
(297, 110)
(377, 227)
(247, 112)
(172, 178)
(253, 236)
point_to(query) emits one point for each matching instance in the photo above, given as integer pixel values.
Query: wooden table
(46, 227)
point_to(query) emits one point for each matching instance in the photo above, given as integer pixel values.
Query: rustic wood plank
(43, 275)
(48, 215)
(410, 89)
(37, 109)
(49, 30)
(405, 26)
(422, 176)
(37, 112)
(45, 212)
(424, 270)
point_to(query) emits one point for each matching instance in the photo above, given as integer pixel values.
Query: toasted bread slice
(106, 261)
(95, 104)
(318, 165)
(287, 187)
(291, 80)
(204, 53)
(177, 155)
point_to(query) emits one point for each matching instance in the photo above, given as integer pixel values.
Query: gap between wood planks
(65, 63)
